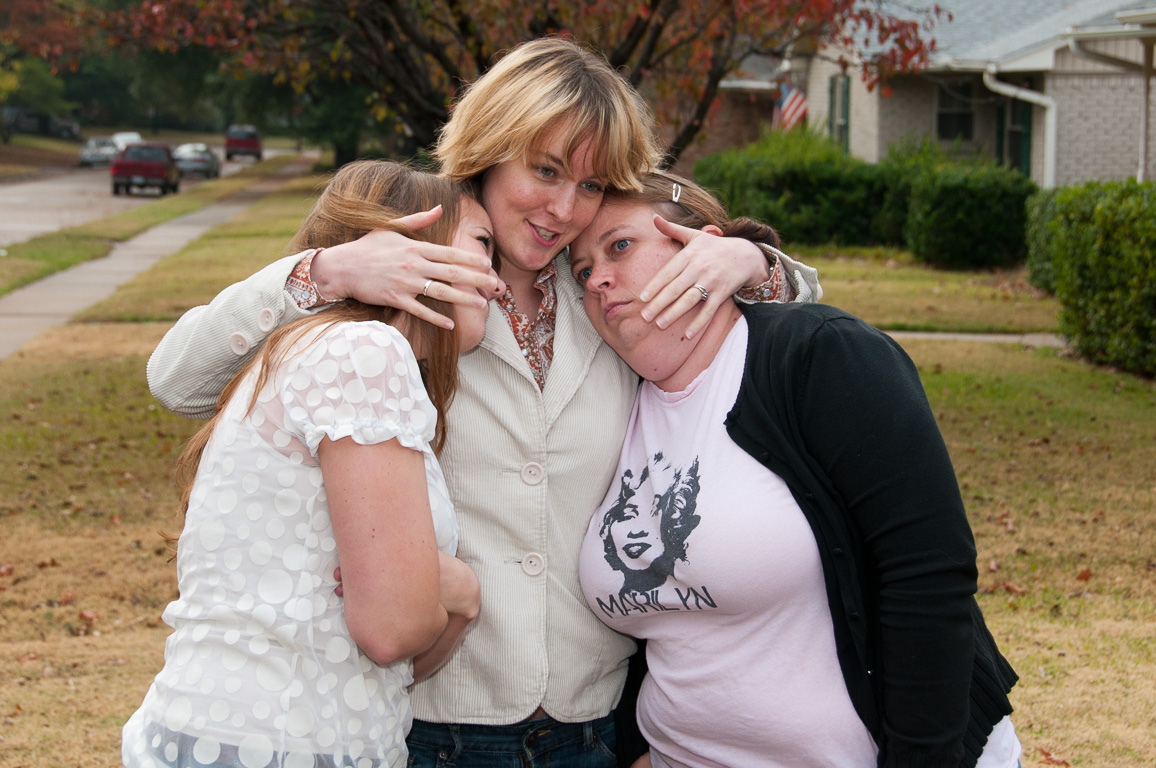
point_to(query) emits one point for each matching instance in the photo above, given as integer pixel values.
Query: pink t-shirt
(703, 551)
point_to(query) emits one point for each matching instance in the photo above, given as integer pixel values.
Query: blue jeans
(541, 743)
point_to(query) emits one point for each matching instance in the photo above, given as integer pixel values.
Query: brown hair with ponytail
(681, 201)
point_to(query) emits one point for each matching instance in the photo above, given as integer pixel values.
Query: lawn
(1055, 458)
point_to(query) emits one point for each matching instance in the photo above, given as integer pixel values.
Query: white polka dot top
(260, 669)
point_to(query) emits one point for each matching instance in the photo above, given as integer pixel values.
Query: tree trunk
(346, 148)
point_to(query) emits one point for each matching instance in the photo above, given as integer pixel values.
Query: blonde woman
(543, 404)
(322, 454)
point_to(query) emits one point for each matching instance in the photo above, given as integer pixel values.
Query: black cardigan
(836, 409)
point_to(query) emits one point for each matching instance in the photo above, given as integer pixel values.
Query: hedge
(1104, 255)
(967, 214)
(968, 218)
(1041, 224)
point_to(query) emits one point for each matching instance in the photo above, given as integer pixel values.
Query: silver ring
(701, 290)
(425, 288)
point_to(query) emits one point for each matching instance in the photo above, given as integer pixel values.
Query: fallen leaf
(1048, 759)
(993, 566)
(1084, 574)
(1014, 589)
(7, 569)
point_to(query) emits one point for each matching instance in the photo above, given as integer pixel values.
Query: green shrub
(802, 184)
(1105, 271)
(968, 217)
(1041, 224)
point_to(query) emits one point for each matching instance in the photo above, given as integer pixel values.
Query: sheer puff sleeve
(358, 380)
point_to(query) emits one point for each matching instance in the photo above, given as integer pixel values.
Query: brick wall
(737, 122)
(1098, 126)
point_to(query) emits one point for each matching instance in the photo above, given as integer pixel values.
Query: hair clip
(677, 193)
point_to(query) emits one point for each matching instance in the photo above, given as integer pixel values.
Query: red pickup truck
(146, 164)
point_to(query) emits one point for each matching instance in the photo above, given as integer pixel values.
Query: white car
(124, 138)
(99, 150)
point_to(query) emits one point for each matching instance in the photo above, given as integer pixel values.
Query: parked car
(63, 127)
(242, 140)
(98, 150)
(124, 138)
(198, 159)
(147, 164)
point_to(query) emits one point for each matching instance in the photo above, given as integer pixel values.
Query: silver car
(99, 150)
(198, 159)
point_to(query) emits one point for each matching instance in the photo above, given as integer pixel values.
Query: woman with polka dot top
(322, 453)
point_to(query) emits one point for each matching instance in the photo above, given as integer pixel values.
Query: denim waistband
(531, 736)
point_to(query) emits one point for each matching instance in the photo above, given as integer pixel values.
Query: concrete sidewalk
(26, 312)
(1026, 339)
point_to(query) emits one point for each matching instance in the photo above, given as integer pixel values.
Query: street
(65, 198)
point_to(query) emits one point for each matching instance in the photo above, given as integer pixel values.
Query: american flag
(792, 106)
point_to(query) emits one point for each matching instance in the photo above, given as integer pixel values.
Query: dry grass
(84, 488)
(1057, 464)
(893, 292)
(28, 154)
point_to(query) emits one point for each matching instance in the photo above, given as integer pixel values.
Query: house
(1059, 89)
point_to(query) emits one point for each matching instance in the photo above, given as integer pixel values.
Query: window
(956, 116)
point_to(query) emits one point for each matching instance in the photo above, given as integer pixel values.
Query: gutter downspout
(1049, 105)
(1146, 84)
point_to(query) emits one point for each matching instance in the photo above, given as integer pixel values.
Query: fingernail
(644, 296)
(661, 324)
(647, 315)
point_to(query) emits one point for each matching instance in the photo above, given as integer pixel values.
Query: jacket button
(239, 344)
(533, 473)
(533, 564)
(266, 320)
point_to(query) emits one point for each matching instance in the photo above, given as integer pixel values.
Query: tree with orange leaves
(412, 57)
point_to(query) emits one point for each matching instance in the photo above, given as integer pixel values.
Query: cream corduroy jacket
(525, 468)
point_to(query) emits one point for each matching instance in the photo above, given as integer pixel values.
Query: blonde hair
(537, 88)
(361, 197)
(681, 201)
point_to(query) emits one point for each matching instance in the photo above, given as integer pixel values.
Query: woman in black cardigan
(798, 431)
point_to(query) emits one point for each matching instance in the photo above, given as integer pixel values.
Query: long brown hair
(361, 197)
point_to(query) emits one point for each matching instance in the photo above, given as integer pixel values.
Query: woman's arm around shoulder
(210, 343)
